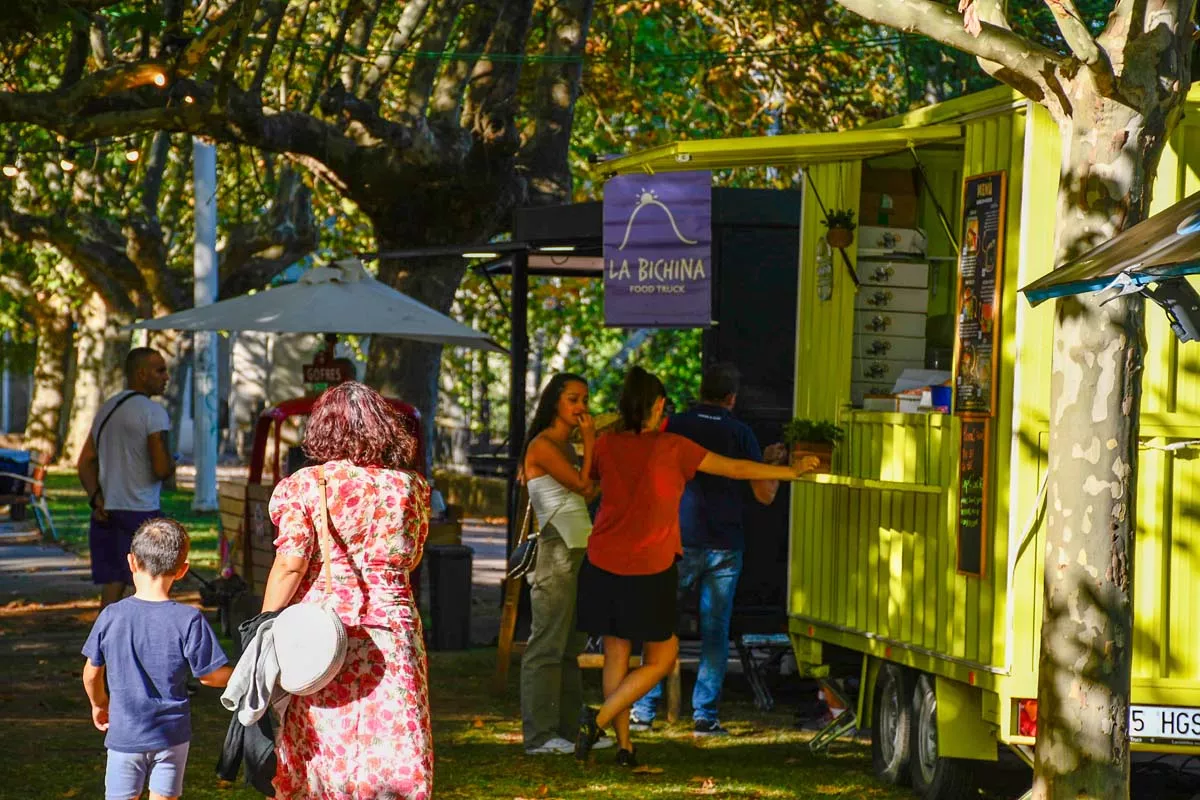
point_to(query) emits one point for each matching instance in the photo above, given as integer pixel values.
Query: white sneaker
(554, 746)
(604, 742)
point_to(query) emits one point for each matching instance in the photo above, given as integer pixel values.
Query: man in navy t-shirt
(710, 521)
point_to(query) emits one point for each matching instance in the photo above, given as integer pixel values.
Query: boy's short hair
(160, 546)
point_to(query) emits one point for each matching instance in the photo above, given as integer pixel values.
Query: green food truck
(922, 549)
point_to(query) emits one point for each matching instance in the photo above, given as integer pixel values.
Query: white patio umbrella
(341, 298)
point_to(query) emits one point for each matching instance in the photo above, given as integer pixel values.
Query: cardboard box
(888, 198)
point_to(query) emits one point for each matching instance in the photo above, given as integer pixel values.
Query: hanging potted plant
(807, 437)
(841, 227)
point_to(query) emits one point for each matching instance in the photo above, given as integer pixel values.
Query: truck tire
(934, 777)
(891, 725)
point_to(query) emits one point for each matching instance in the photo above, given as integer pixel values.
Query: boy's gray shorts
(128, 773)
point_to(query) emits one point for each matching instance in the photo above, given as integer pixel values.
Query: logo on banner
(658, 250)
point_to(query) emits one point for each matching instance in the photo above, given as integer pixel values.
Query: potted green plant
(809, 437)
(840, 223)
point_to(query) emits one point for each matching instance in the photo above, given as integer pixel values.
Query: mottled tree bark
(43, 429)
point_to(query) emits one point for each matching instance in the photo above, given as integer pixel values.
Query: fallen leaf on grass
(72, 792)
(478, 723)
(707, 786)
(542, 790)
(648, 770)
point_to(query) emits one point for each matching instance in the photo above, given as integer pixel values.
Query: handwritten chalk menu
(980, 264)
(972, 494)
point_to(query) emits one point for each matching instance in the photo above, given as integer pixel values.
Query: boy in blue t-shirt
(147, 645)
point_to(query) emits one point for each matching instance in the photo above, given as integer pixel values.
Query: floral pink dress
(367, 734)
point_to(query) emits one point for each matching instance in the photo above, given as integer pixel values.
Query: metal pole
(204, 383)
(519, 365)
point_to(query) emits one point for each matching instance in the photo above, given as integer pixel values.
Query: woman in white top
(559, 487)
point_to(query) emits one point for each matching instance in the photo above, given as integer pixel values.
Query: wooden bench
(29, 492)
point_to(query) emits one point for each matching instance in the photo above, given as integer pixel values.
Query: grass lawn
(48, 748)
(68, 504)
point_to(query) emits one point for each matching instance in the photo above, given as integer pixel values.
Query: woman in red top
(627, 585)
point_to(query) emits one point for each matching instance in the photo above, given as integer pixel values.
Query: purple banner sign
(658, 250)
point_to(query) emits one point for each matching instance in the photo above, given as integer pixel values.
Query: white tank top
(555, 503)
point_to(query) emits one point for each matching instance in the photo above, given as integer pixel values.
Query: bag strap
(527, 529)
(108, 416)
(326, 523)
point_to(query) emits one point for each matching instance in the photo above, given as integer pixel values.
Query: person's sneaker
(589, 733)
(627, 758)
(556, 746)
(706, 727)
(640, 725)
(604, 742)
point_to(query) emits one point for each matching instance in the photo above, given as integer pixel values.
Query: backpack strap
(108, 416)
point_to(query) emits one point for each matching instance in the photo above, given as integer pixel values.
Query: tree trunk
(401, 367)
(42, 431)
(1110, 153)
(100, 351)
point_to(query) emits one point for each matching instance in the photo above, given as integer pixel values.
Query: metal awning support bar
(945, 220)
(825, 213)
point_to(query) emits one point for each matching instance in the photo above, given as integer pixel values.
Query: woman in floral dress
(366, 735)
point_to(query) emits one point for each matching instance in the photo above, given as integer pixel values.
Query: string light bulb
(187, 98)
(160, 80)
(132, 156)
(10, 170)
(67, 164)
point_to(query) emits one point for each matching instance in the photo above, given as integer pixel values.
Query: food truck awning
(341, 298)
(1160, 250)
(1167, 245)
(795, 149)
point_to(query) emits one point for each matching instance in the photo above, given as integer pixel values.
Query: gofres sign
(658, 250)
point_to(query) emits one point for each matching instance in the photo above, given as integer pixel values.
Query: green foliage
(840, 218)
(809, 430)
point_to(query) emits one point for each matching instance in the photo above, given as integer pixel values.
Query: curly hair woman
(366, 734)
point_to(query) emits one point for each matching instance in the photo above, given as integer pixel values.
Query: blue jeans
(716, 573)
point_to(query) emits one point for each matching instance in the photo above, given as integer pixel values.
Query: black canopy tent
(755, 249)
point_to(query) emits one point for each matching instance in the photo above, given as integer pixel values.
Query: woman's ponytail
(640, 392)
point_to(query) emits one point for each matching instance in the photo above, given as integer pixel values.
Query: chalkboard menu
(980, 264)
(972, 493)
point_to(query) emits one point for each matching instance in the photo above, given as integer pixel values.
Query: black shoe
(705, 727)
(589, 733)
(627, 758)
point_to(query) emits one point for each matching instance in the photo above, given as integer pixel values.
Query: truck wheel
(891, 724)
(934, 777)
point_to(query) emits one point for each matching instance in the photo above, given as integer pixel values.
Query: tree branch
(276, 12)
(257, 251)
(1019, 57)
(1085, 48)
(77, 53)
(375, 77)
(488, 110)
(546, 154)
(446, 99)
(360, 37)
(331, 56)
(97, 260)
(425, 71)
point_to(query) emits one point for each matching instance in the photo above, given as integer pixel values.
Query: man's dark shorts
(109, 542)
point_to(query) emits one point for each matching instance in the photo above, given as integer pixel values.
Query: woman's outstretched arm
(743, 469)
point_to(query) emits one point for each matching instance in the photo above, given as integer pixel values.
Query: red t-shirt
(642, 477)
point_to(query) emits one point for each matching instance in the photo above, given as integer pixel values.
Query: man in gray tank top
(122, 467)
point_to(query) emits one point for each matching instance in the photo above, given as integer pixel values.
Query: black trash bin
(449, 595)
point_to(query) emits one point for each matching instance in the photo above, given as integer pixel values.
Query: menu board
(972, 493)
(980, 264)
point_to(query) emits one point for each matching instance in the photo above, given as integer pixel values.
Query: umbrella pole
(519, 365)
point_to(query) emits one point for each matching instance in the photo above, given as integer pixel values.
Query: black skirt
(639, 608)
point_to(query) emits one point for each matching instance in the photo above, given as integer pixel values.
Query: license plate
(1164, 724)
